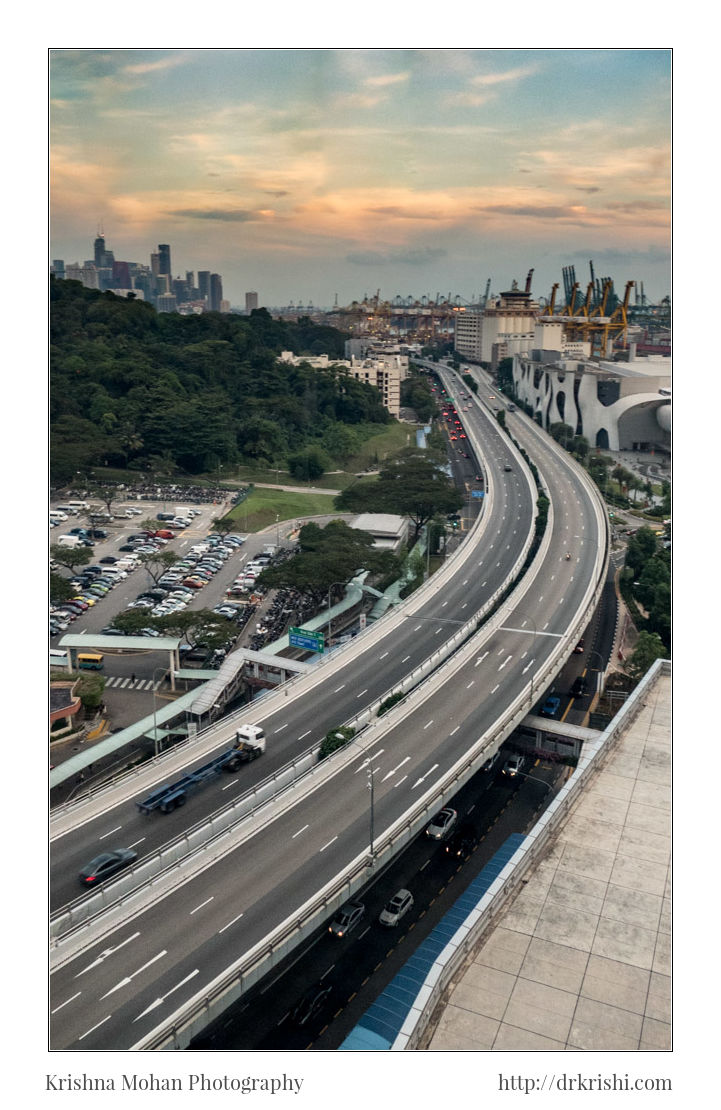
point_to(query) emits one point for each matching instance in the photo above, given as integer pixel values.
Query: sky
(318, 176)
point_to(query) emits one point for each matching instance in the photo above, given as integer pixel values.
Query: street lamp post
(155, 709)
(371, 772)
(599, 670)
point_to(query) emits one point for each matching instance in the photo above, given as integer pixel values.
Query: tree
(70, 557)
(327, 557)
(562, 433)
(308, 464)
(60, 588)
(223, 525)
(157, 562)
(105, 493)
(198, 626)
(649, 648)
(412, 484)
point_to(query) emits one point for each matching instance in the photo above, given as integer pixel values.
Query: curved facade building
(616, 406)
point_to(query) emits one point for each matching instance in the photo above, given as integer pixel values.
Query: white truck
(69, 541)
(250, 741)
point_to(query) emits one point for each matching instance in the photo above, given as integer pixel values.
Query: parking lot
(115, 579)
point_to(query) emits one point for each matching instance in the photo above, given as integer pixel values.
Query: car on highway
(346, 919)
(398, 905)
(462, 842)
(106, 864)
(442, 824)
(578, 650)
(310, 1004)
(507, 468)
(551, 706)
(513, 766)
(578, 689)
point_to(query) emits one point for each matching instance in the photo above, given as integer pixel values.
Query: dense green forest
(164, 393)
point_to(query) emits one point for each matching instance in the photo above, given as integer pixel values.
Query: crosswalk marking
(118, 682)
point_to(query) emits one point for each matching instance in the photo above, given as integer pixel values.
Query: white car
(399, 904)
(441, 825)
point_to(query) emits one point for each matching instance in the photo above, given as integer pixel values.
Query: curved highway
(119, 989)
(369, 667)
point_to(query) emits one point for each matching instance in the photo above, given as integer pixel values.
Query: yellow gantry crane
(587, 324)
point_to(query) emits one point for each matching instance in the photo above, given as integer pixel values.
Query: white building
(383, 369)
(389, 532)
(617, 406)
(504, 328)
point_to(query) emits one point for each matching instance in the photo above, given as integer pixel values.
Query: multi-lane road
(116, 991)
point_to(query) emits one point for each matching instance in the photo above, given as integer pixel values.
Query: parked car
(346, 919)
(105, 865)
(107, 559)
(442, 824)
(399, 905)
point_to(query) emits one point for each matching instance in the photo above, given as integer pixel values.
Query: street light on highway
(162, 671)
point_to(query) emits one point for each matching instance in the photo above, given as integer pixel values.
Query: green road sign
(303, 638)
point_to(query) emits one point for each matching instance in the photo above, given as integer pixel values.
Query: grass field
(263, 507)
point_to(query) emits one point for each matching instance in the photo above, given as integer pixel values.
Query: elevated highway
(133, 985)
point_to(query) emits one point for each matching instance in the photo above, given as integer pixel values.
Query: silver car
(347, 918)
(442, 824)
(399, 905)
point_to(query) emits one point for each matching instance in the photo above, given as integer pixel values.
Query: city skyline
(311, 174)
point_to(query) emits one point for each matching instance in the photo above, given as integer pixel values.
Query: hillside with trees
(160, 392)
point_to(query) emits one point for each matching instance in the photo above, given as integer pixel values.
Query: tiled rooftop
(579, 959)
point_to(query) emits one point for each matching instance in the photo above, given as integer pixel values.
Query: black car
(462, 842)
(105, 865)
(579, 687)
(310, 1004)
(108, 559)
(99, 534)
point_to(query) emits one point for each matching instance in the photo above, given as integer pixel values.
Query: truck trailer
(249, 744)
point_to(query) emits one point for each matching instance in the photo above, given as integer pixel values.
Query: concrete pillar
(171, 664)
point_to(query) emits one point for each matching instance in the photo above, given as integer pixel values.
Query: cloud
(418, 256)
(542, 211)
(232, 215)
(487, 79)
(152, 67)
(387, 79)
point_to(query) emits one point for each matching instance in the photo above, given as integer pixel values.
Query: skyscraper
(251, 302)
(204, 283)
(216, 292)
(164, 252)
(99, 249)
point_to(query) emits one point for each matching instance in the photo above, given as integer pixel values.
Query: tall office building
(216, 292)
(204, 284)
(59, 268)
(164, 253)
(251, 302)
(121, 276)
(99, 249)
